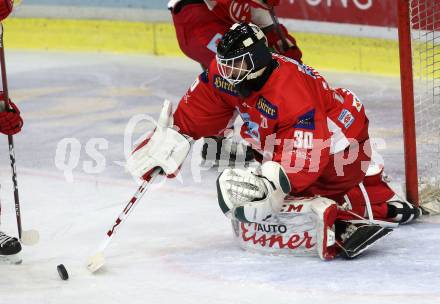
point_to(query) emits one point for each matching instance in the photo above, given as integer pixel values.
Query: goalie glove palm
(243, 186)
(165, 148)
(252, 196)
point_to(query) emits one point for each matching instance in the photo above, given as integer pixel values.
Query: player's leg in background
(198, 30)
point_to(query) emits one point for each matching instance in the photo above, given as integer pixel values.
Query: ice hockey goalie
(312, 142)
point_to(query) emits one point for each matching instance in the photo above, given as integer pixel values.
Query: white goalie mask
(235, 69)
(242, 53)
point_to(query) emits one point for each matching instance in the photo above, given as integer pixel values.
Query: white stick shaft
(128, 209)
(97, 260)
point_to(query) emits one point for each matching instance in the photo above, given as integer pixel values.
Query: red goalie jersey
(318, 134)
(295, 119)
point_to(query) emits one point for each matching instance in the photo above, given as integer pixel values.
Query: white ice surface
(176, 247)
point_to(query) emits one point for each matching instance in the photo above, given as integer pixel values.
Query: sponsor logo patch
(274, 236)
(292, 207)
(222, 85)
(306, 121)
(346, 118)
(266, 108)
(252, 128)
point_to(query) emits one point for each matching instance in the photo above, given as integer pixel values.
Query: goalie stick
(27, 237)
(97, 260)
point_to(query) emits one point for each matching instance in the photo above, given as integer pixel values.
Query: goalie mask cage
(419, 42)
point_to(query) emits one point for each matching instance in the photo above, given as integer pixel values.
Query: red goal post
(419, 44)
(407, 89)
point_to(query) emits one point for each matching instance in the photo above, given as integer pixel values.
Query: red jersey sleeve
(201, 112)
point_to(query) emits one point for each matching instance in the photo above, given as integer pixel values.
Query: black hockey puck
(62, 271)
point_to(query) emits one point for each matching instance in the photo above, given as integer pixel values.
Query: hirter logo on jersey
(306, 121)
(222, 85)
(266, 108)
(346, 118)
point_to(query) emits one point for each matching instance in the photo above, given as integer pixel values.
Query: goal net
(424, 40)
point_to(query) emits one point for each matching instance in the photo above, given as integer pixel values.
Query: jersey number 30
(303, 140)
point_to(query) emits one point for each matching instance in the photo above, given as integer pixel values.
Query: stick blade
(95, 262)
(30, 237)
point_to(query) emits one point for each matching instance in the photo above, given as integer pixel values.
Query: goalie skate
(356, 238)
(402, 212)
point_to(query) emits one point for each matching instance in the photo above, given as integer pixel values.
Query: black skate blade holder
(364, 237)
(367, 234)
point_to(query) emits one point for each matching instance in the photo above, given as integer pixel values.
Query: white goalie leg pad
(303, 227)
(326, 212)
(253, 196)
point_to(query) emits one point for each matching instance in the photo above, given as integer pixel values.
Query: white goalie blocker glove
(252, 196)
(165, 148)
